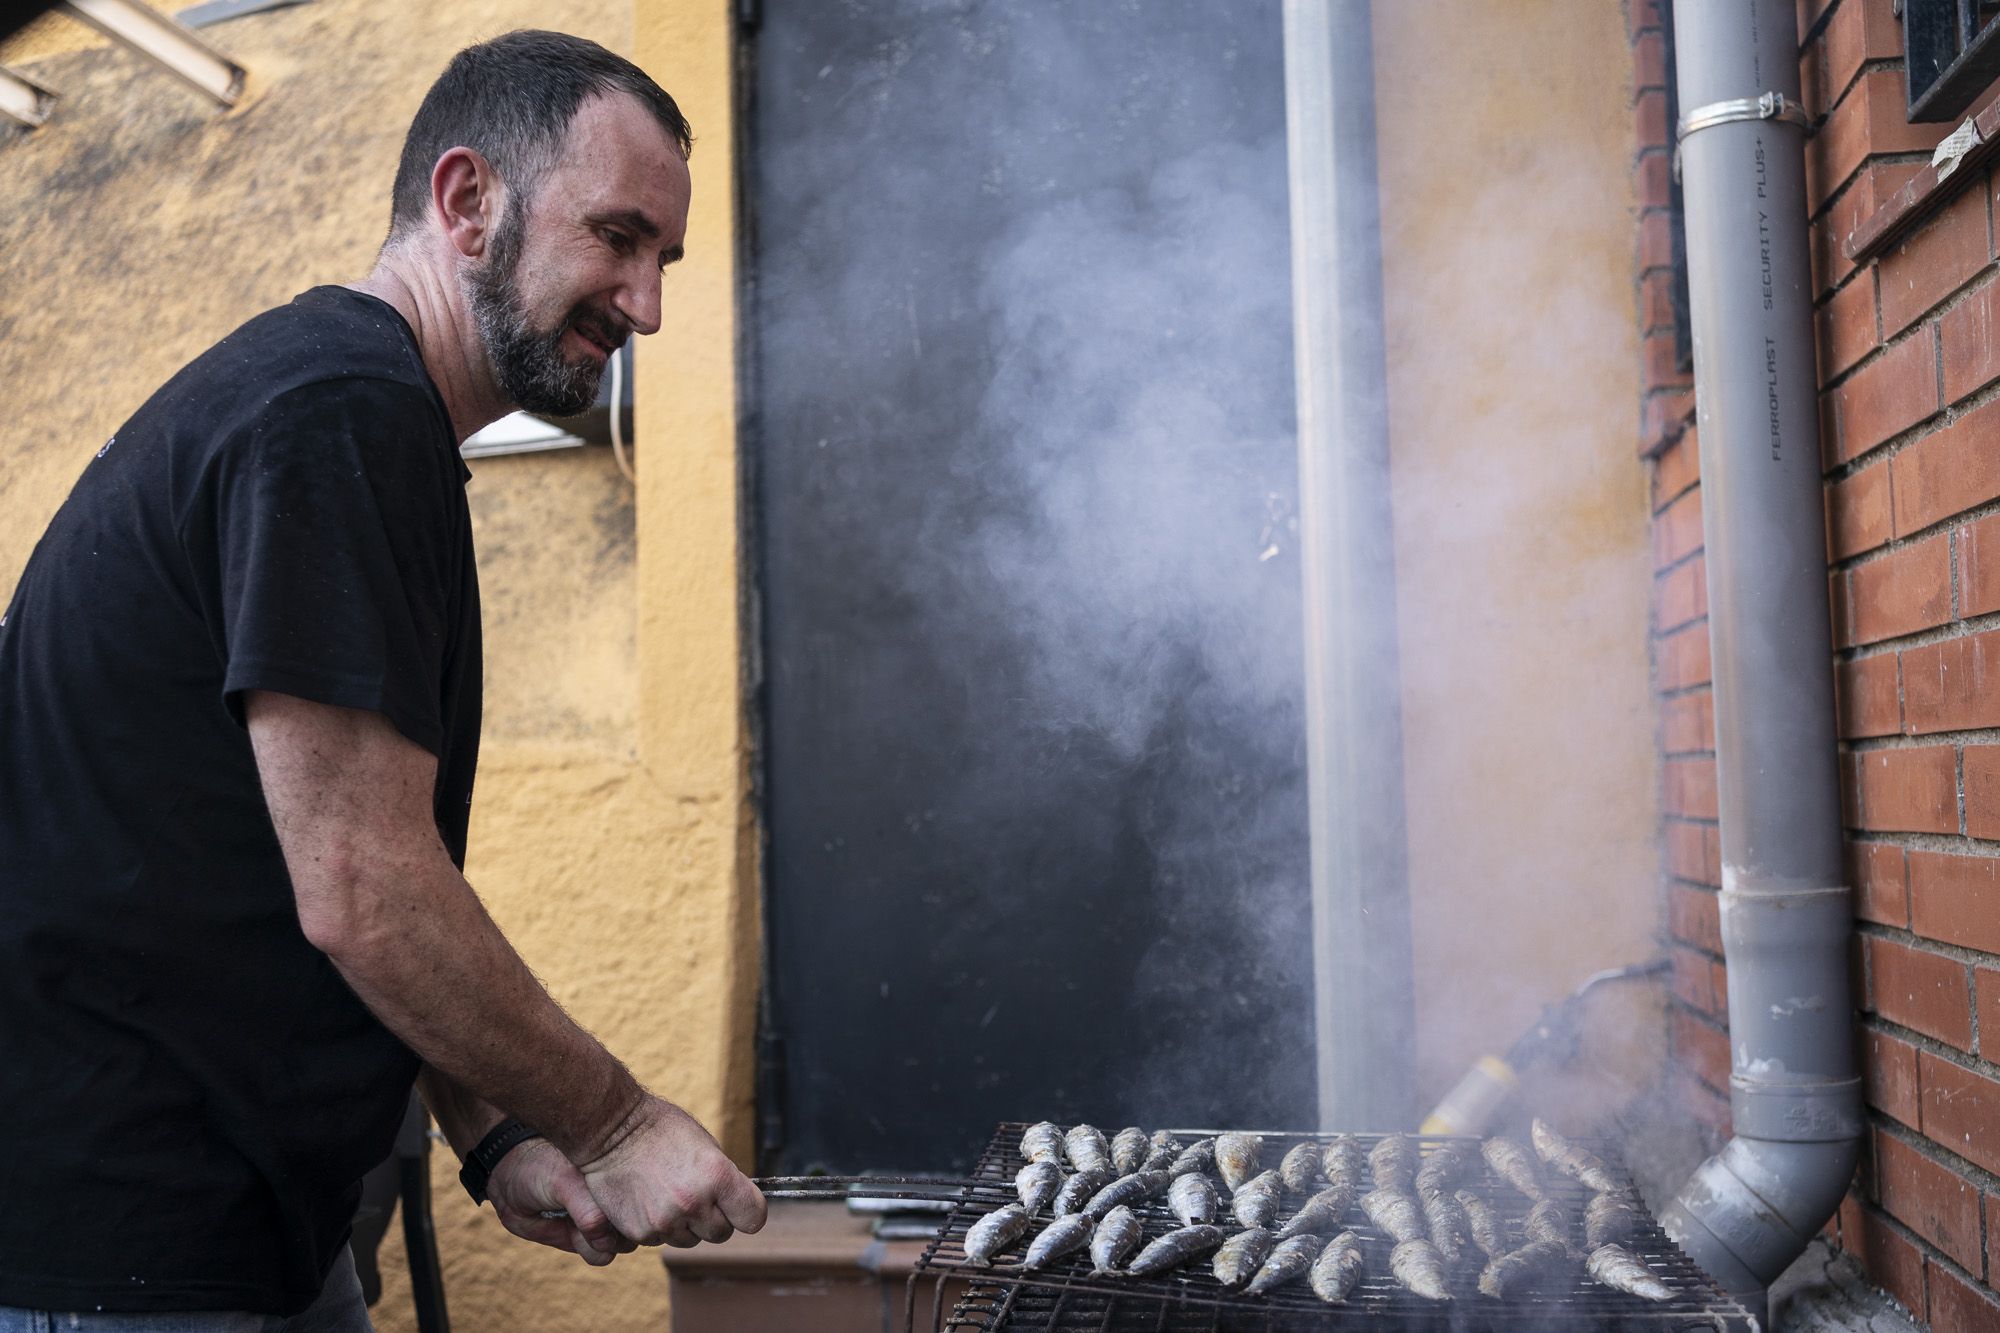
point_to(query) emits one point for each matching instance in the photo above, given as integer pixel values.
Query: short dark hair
(511, 100)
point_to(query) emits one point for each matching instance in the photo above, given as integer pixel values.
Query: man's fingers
(708, 1223)
(552, 1232)
(678, 1236)
(591, 1255)
(586, 1216)
(743, 1204)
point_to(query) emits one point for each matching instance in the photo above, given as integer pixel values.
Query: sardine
(1320, 1215)
(994, 1233)
(1509, 1272)
(1236, 1157)
(1288, 1262)
(1242, 1255)
(1161, 1150)
(1341, 1162)
(1176, 1248)
(1257, 1203)
(1086, 1147)
(1395, 1215)
(1573, 1159)
(1418, 1265)
(1080, 1188)
(1610, 1219)
(1394, 1163)
(1197, 1156)
(1037, 1183)
(1042, 1142)
(1135, 1188)
(1513, 1163)
(1440, 1172)
(1450, 1231)
(1337, 1269)
(1058, 1238)
(1128, 1150)
(1547, 1221)
(1115, 1239)
(1300, 1168)
(1193, 1199)
(1487, 1231)
(1621, 1270)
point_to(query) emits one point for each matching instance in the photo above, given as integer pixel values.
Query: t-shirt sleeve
(336, 543)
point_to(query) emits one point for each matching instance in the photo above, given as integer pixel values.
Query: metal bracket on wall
(165, 42)
(23, 100)
(1769, 106)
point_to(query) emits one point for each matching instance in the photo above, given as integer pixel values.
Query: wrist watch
(479, 1163)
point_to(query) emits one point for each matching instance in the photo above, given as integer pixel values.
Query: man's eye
(618, 241)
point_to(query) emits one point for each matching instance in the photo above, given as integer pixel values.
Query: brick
(1947, 472)
(1886, 396)
(1956, 1305)
(1909, 791)
(1928, 1199)
(1695, 917)
(1986, 1011)
(1643, 16)
(1656, 242)
(1687, 723)
(1888, 1256)
(1677, 531)
(1684, 658)
(1869, 190)
(1969, 342)
(1703, 1104)
(1680, 595)
(1692, 852)
(1889, 1075)
(1859, 517)
(1903, 591)
(1649, 117)
(1857, 33)
(1656, 301)
(1881, 882)
(1934, 261)
(1953, 685)
(1847, 327)
(1956, 899)
(1961, 1109)
(1676, 471)
(1982, 791)
(1979, 566)
(1702, 1049)
(1652, 180)
(1660, 362)
(1872, 119)
(1649, 61)
(1690, 788)
(1850, 790)
(1865, 690)
(1925, 992)
(1694, 983)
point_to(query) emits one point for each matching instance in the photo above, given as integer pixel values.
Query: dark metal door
(1021, 424)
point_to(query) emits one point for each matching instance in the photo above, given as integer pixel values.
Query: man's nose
(639, 301)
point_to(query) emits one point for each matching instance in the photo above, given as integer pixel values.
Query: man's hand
(535, 1179)
(664, 1181)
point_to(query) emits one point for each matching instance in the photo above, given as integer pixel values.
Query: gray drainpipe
(1795, 1099)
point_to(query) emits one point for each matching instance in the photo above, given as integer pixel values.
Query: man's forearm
(462, 1115)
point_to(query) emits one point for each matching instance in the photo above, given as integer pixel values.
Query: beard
(528, 363)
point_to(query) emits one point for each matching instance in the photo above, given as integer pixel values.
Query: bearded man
(240, 698)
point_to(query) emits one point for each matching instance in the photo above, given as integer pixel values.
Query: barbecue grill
(1063, 1297)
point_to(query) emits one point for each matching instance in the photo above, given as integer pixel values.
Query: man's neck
(447, 339)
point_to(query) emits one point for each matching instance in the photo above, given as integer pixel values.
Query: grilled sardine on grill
(1236, 1157)
(1441, 1170)
(1621, 1270)
(994, 1233)
(1320, 1215)
(1342, 1160)
(1197, 1156)
(1513, 1163)
(1060, 1237)
(1300, 1168)
(1193, 1199)
(1288, 1262)
(1256, 1204)
(1161, 1150)
(1115, 1239)
(1611, 1219)
(1450, 1231)
(1242, 1255)
(1176, 1248)
(1135, 1188)
(1394, 1163)
(1081, 1187)
(1572, 1159)
(1037, 1183)
(1337, 1269)
(1488, 1233)
(1418, 1265)
(1395, 1214)
(1547, 1221)
(1128, 1150)
(1042, 1142)
(1087, 1147)
(1509, 1272)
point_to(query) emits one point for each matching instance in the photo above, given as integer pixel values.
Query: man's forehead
(617, 158)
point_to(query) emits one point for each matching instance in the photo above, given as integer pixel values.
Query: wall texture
(610, 832)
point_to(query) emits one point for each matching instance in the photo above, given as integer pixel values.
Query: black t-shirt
(189, 1093)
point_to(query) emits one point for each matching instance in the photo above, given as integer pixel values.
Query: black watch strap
(479, 1163)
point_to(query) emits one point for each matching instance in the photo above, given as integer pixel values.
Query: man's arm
(350, 798)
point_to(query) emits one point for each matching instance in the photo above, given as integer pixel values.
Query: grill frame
(1189, 1300)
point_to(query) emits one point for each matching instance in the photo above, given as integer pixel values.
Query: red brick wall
(1909, 357)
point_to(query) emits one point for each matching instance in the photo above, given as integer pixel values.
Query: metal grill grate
(1064, 1297)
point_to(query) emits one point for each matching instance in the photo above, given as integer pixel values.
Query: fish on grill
(994, 1233)
(1441, 1170)
(1115, 1239)
(1320, 1215)
(1060, 1237)
(1176, 1248)
(1080, 1188)
(1610, 1219)
(1488, 1233)
(1513, 1163)
(1394, 1163)
(1396, 1215)
(1418, 1265)
(1450, 1230)
(1193, 1199)
(1037, 1183)
(1300, 1168)
(1087, 1147)
(1508, 1273)
(1042, 1142)
(1341, 1162)
(1547, 1221)
(1161, 1150)
(1242, 1255)
(1573, 1159)
(1337, 1269)
(1135, 1188)
(1256, 1204)
(1287, 1263)
(1236, 1157)
(1621, 1270)
(1197, 1156)
(1128, 1150)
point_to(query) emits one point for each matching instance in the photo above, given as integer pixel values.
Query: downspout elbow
(1751, 1209)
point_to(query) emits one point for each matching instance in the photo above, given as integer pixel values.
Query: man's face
(572, 271)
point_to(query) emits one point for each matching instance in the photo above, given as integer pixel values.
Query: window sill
(1925, 193)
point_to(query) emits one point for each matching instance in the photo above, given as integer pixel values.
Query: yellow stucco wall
(1520, 510)
(611, 834)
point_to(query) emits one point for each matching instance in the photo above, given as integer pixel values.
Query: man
(239, 697)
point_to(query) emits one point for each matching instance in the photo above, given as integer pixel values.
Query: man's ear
(465, 194)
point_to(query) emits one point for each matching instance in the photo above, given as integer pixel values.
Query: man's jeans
(339, 1309)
